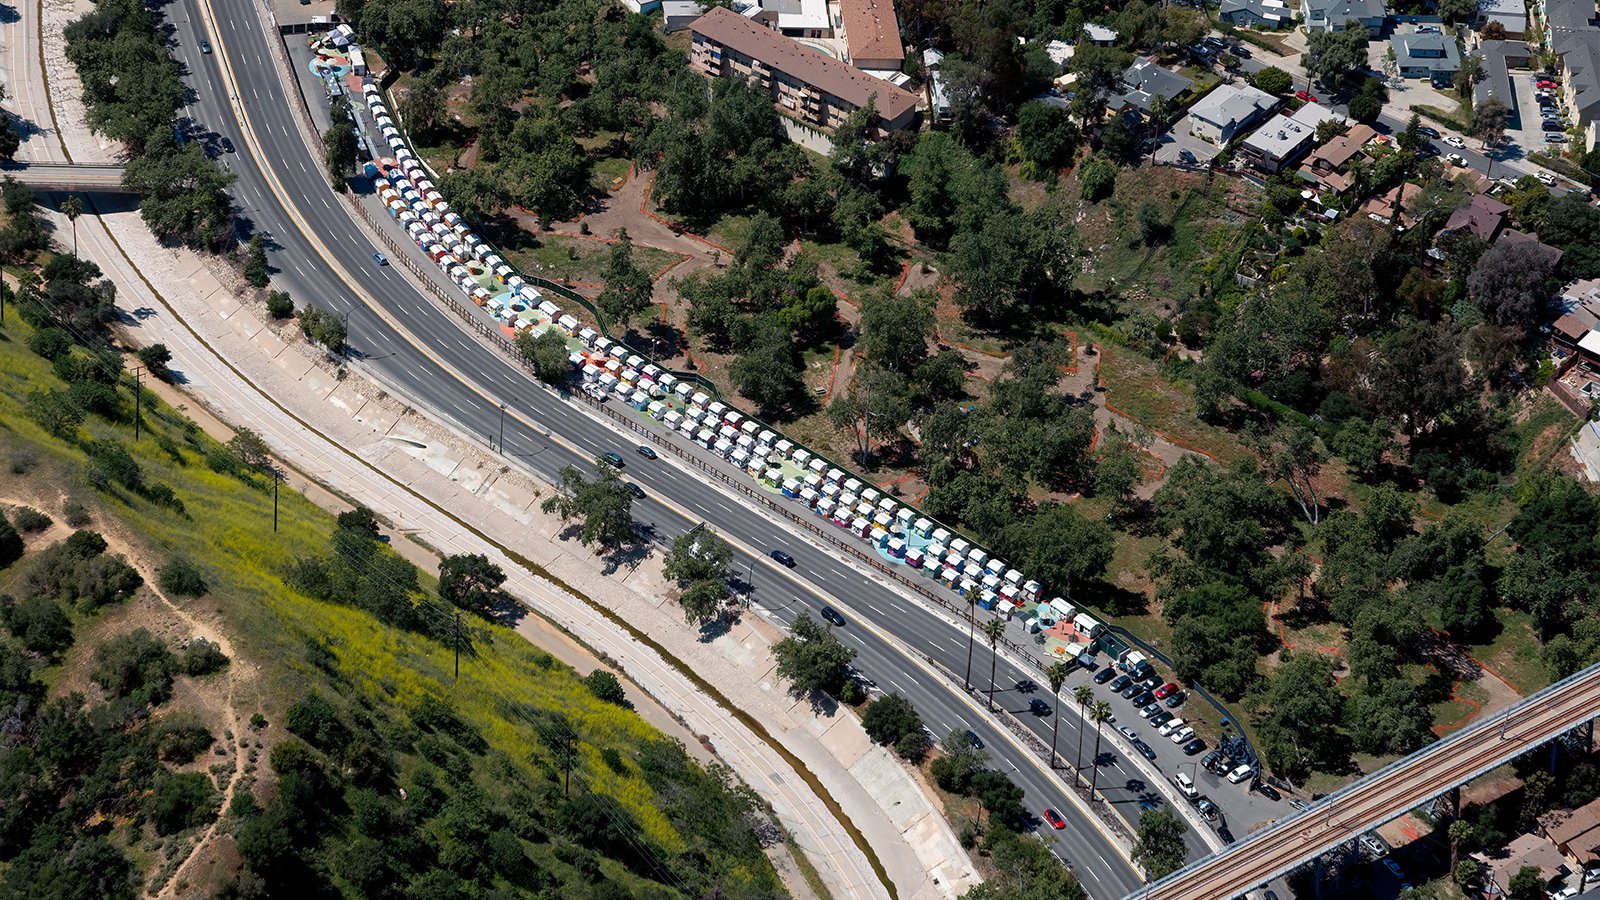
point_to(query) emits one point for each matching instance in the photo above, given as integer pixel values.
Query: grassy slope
(227, 530)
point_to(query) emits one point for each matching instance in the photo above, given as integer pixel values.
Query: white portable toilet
(960, 546)
(941, 536)
(784, 448)
(853, 485)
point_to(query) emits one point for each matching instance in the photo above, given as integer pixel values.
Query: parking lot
(1530, 136)
(1171, 145)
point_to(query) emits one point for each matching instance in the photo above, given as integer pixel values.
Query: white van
(1185, 785)
(1243, 773)
(1171, 726)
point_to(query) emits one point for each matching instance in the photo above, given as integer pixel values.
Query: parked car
(1555, 137)
(783, 558)
(1054, 818)
(1242, 773)
(1225, 834)
(612, 459)
(1457, 159)
(1207, 808)
(1144, 749)
(1375, 846)
(1430, 132)
(1395, 870)
(832, 615)
(1181, 735)
(1175, 701)
(1105, 675)
(1171, 726)
(1297, 803)
(1166, 690)
(1161, 718)
(1210, 759)
(1130, 689)
(1186, 785)
(1193, 747)
(1143, 699)
(1128, 733)
(1149, 710)
(1038, 707)
(1242, 52)
(1268, 791)
(645, 452)
(1305, 96)
(1121, 682)
(1455, 141)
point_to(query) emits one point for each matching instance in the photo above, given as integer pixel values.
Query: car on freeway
(1175, 701)
(1038, 707)
(974, 740)
(1193, 747)
(1207, 809)
(1149, 710)
(1242, 773)
(1166, 690)
(227, 145)
(612, 459)
(1025, 686)
(1268, 791)
(645, 452)
(1144, 749)
(832, 615)
(205, 46)
(1305, 96)
(783, 558)
(1128, 733)
(1105, 675)
(1455, 141)
(1054, 818)
(379, 258)
(1149, 805)
(635, 490)
(1375, 847)
(1122, 682)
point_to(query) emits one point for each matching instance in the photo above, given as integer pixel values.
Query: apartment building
(805, 84)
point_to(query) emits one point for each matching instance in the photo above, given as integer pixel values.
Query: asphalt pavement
(464, 381)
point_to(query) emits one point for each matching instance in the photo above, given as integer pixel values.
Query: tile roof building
(871, 34)
(1327, 164)
(1524, 850)
(805, 84)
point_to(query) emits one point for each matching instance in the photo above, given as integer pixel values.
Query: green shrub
(179, 739)
(136, 665)
(38, 623)
(10, 543)
(180, 578)
(30, 520)
(50, 343)
(74, 513)
(182, 801)
(23, 461)
(605, 686)
(202, 657)
(280, 305)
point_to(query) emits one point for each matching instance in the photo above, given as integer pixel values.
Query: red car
(1544, 84)
(1166, 690)
(1307, 96)
(1054, 818)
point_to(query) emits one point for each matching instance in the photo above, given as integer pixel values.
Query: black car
(1241, 52)
(1211, 759)
(646, 452)
(1105, 675)
(1130, 689)
(1144, 698)
(635, 490)
(1121, 682)
(1225, 834)
(1193, 747)
(1038, 707)
(1025, 686)
(1175, 701)
(1161, 718)
(832, 615)
(1268, 791)
(1148, 805)
(1430, 132)
(227, 145)
(205, 46)
(783, 558)
(1144, 749)
(974, 740)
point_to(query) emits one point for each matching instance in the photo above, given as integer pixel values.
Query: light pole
(502, 429)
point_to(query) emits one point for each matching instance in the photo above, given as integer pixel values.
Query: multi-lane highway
(321, 257)
(1346, 814)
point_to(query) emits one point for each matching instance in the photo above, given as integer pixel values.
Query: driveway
(1530, 136)
(1169, 147)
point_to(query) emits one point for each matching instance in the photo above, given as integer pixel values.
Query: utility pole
(502, 429)
(138, 390)
(276, 477)
(457, 643)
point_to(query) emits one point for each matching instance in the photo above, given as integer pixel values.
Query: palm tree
(1100, 712)
(992, 630)
(972, 605)
(72, 208)
(1083, 694)
(1056, 674)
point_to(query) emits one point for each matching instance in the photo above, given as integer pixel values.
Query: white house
(1228, 111)
(1330, 15)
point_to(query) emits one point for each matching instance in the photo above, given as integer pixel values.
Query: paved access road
(320, 257)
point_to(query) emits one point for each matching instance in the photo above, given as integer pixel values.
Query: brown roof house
(805, 84)
(1553, 254)
(1329, 164)
(872, 34)
(1396, 207)
(1574, 832)
(1526, 850)
(1483, 217)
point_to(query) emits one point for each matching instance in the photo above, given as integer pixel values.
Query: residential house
(1397, 207)
(805, 84)
(642, 6)
(1260, 14)
(871, 34)
(1580, 302)
(1060, 53)
(1483, 217)
(1142, 83)
(1575, 833)
(1497, 59)
(1512, 15)
(1228, 111)
(1100, 35)
(1285, 138)
(1328, 166)
(1539, 248)
(1525, 850)
(1428, 55)
(938, 99)
(1331, 15)
(1571, 33)
(676, 15)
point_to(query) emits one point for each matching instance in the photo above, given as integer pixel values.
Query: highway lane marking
(470, 385)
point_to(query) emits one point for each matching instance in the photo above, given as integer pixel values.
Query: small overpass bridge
(1405, 784)
(98, 179)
